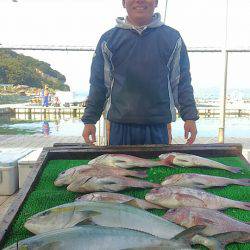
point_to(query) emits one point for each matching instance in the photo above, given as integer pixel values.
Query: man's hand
(190, 131)
(89, 131)
(169, 127)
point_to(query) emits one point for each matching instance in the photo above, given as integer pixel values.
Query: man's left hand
(190, 131)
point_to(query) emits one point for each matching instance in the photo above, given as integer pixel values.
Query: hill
(17, 69)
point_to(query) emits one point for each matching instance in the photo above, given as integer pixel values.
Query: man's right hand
(88, 133)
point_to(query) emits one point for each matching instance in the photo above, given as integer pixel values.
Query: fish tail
(165, 162)
(155, 185)
(221, 240)
(244, 205)
(140, 174)
(212, 243)
(243, 182)
(233, 170)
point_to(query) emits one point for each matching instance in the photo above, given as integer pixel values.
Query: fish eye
(63, 172)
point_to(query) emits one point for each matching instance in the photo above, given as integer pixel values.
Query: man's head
(140, 12)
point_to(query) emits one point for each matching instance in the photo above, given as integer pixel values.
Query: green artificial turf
(45, 195)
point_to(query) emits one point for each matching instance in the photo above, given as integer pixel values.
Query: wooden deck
(39, 141)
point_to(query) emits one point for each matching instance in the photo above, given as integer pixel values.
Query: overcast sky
(81, 22)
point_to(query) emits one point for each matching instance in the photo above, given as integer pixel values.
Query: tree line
(17, 69)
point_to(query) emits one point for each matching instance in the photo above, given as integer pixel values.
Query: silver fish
(202, 181)
(106, 182)
(188, 160)
(118, 198)
(215, 221)
(125, 161)
(107, 214)
(98, 238)
(173, 197)
(66, 177)
(103, 214)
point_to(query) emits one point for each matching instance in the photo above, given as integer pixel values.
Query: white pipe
(165, 12)
(221, 135)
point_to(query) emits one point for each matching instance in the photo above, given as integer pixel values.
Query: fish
(118, 198)
(189, 160)
(112, 215)
(102, 214)
(99, 238)
(125, 161)
(108, 215)
(175, 196)
(66, 177)
(202, 181)
(106, 182)
(215, 221)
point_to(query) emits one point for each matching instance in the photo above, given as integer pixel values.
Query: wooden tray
(82, 151)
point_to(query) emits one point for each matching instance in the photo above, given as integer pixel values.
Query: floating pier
(78, 111)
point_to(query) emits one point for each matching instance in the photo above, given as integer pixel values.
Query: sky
(81, 23)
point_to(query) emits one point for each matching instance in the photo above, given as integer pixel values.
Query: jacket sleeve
(180, 80)
(97, 92)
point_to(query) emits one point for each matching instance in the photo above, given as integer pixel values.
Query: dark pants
(46, 101)
(137, 134)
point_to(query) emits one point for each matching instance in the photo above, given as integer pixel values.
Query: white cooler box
(9, 169)
(8, 178)
(26, 164)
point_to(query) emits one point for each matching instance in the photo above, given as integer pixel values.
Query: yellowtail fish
(110, 215)
(99, 238)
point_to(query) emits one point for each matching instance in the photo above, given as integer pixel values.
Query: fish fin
(189, 233)
(190, 200)
(132, 202)
(140, 174)
(168, 161)
(198, 185)
(205, 221)
(210, 242)
(243, 205)
(87, 221)
(233, 170)
(243, 182)
(86, 217)
(226, 238)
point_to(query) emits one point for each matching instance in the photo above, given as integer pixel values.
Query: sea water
(73, 126)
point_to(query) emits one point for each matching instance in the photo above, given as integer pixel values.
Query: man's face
(140, 12)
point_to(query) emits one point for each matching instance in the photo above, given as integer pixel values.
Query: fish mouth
(58, 182)
(150, 197)
(30, 226)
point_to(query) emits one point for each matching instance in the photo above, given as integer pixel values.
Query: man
(46, 96)
(139, 72)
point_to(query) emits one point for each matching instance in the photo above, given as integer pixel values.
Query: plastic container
(8, 178)
(9, 169)
(26, 164)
